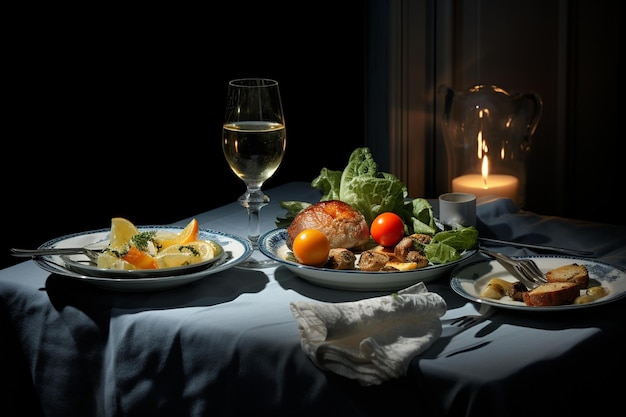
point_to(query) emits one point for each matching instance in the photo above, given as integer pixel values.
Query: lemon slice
(109, 261)
(188, 234)
(187, 254)
(122, 230)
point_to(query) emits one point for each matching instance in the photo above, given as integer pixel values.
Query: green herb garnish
(141, 239)
(191, 249)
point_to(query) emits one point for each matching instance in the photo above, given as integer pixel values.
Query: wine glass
(254, 141)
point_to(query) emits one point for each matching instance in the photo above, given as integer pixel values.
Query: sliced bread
(570, 273)
(552, 294)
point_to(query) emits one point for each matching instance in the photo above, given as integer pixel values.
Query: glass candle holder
(487, 132)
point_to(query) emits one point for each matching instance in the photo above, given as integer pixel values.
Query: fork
(92, 254)
(457, 325)
(532, 271)
(467, 321)
(525, 270)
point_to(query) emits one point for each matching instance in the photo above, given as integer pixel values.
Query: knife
(575, 252)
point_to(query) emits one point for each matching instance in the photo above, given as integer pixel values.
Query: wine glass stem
(254, 212)
(253, 200)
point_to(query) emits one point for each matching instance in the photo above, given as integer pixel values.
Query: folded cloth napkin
(371, 340)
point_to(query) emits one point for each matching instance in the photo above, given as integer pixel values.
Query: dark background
(118, 112)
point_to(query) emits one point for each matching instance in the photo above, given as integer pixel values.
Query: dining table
(227, 344)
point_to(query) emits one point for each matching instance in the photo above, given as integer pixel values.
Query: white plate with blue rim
(235, 251)
(273, 245)
(470, 280)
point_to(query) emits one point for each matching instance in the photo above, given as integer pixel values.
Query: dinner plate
(273, 245)
(235, 251)
(470, 280)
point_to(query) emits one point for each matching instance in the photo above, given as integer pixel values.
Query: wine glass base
(257, 261)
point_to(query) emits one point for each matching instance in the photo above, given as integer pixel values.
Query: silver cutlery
(553, 249)
(525, 270)
(92, 254)
(467, 321)
(456, 325)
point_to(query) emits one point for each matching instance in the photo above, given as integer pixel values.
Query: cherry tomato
(387, 229)
(311, 247)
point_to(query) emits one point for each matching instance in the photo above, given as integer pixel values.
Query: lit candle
(485, 184)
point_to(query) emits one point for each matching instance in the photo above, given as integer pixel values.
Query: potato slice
(496, 288)
(401, 266)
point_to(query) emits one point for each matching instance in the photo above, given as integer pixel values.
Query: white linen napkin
(371, 340)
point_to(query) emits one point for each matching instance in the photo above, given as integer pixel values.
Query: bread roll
(552, 294)
(570, 273)
(344, 226)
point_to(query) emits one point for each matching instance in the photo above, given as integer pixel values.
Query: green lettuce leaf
(362, 186)
(461, 239)
(329, 182)
(293, 208)
(440, 253)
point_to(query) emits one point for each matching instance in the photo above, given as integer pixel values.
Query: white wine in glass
(254, 141)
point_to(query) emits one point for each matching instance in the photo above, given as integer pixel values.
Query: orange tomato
(311, 247)
(387, 229)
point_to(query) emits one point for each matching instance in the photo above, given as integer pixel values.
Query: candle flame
(485, 170)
